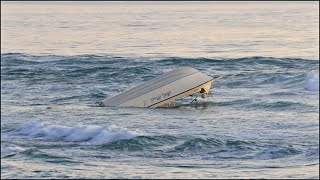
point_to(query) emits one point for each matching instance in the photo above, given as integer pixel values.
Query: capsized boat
(163, 90)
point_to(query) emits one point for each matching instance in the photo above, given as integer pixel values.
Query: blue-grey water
(59, 58)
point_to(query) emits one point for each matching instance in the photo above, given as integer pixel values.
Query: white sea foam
(88, 133)
(311, 82)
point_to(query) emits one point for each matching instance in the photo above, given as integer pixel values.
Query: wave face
(262, 115)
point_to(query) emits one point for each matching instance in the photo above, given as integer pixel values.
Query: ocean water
(261, 120)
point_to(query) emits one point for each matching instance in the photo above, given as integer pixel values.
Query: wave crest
(312, 81)
(80, 133)
(9, 150)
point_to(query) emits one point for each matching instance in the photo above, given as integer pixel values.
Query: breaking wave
(117, 139)
(80, 133)
(312, 81)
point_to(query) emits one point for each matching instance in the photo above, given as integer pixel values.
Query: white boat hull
(162, 90)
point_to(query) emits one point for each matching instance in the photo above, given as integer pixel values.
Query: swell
(239, 71)
(155, 146)
(246, 61)
(10, 59)
(247, 104)
(209, 148)
(95, 77)
(91, 140)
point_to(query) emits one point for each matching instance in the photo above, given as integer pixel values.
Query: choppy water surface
(261, 120)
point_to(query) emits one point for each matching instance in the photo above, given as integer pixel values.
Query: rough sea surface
(59, 58)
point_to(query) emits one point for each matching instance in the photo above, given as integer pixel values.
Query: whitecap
(89, 133)
(311, 82)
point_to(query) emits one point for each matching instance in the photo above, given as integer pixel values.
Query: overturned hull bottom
(203, 89)
(164, 89)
